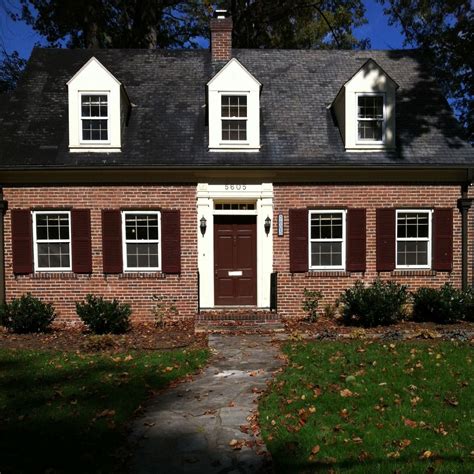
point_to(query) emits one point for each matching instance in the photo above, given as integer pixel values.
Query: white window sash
(428, 239)
(361, 141)
(126, 241)
(331, 240)
(235, 142)
(37, 241)
(81, 118)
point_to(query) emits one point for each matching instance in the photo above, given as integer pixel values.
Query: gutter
(3, 209)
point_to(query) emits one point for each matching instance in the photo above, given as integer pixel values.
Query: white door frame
(262, 195)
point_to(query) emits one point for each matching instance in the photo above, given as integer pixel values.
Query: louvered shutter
(385, 235)
(171, 241)
(443, 239)
(356, 240)
(81, 241)
(22, 241)
(298, 240)
(112, 241)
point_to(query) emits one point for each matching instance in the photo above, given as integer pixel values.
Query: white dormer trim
(94, 78)
(369, 80)
(234, 80)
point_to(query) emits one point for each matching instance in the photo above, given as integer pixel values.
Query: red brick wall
(221, 39)
(370, 197)
(137, 289)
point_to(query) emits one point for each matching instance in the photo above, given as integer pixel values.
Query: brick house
(229, 178)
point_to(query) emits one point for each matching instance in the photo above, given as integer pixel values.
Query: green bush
(27, 314)
(311, 303)
(104, 317)
(379, 304)
(439, 305)
(468, 305)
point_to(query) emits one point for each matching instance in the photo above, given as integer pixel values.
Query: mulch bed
(141, 337)
(326, 328)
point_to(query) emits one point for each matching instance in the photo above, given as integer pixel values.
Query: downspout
(464, 204)
(3, 209)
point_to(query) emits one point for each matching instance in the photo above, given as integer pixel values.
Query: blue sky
(18, 36)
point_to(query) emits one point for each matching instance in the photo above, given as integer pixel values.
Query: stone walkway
(188, 429)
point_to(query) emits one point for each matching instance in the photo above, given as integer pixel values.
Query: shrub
(104, 317)
(439, 305)
(311, 303)
(468, 305)
(381, 303)
(27, 314)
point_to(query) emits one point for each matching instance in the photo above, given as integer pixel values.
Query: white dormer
(98, 107)
(365, 110)
(234, 109)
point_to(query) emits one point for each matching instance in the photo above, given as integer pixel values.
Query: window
(141, 230)
(413, 239)
(234, 117)
(94, 117)
(327, 240)
(370, 118)
(52, 240)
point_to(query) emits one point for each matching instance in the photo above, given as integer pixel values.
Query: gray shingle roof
(168, 124)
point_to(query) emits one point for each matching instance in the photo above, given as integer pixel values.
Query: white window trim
(384, 122)
(152, 241)
(343, 240)
(37, 241)
(415, 239)
(235, 143)
(95, 142)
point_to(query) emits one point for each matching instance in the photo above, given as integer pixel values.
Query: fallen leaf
(393, 455)
(410, 423)
(426, 454)
(315, 449)
(346, 393)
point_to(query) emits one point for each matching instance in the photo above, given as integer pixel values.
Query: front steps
(245, 320)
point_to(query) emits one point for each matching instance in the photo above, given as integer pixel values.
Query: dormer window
(234, 109)
(95, 117)
(370, 118)
(98, 110)
(234, 117)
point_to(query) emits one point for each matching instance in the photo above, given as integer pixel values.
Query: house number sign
(280, 225)
(235, 187)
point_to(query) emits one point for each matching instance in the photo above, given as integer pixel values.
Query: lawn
(372, 407)
(66, 412)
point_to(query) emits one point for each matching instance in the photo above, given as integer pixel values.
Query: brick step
(247, 316)
(239, 327)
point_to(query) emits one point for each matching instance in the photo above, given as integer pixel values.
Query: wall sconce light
(268, 223)
(203, 225)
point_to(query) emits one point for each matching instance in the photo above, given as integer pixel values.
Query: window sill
(414, 272)
(142, 276)
(327, 273)
(94, 149)
(65, 275)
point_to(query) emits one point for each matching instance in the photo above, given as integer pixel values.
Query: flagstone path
(190, 428)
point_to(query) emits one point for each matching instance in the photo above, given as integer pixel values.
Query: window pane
(94, 105)
(234, 130)
(412, 253)
(413, 225)
(370, 130)
(234, 106)
(370, 107)
(326, 254)
(51, 255)
(326, 226)
(141, 226)
(142, 255)
(52, 226)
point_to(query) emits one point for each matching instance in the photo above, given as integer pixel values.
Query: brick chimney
(221, 36)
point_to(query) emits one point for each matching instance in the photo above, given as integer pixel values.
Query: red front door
(235, 260)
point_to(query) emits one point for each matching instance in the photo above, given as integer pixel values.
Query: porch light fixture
(268, 223)
(203, 225)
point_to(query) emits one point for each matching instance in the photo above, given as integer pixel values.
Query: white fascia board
(228, 66)
(95, 61)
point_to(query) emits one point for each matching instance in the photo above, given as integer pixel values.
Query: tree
(444, 31)
(297, 23)
(11, 68)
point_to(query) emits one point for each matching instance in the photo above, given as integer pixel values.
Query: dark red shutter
(356, 240)
(112, 241)
(81, 241)
(443, 239)
(22, 241)
(171, 241)
(298, 240)
(385, 234)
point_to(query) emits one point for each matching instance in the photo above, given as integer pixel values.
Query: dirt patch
(326, 328)
(140, 337)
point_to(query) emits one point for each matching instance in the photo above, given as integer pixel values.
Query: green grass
(402, 400)
(65, 412)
